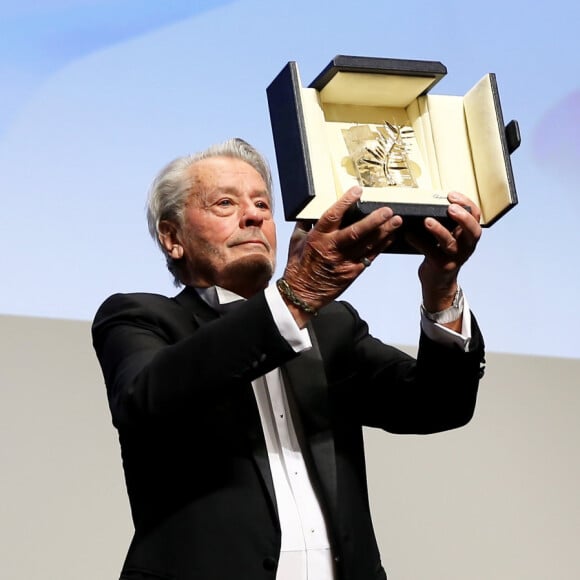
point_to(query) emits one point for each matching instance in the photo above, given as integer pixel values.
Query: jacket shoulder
(144, 299)
(133, 301)
(139, 308)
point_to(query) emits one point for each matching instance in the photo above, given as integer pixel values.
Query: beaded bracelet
(288, 293)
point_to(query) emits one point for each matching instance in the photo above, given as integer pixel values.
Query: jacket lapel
(202, 313)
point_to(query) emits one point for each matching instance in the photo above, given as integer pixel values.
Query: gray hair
(171, 188)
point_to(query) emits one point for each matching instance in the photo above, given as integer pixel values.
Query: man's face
(228, 234)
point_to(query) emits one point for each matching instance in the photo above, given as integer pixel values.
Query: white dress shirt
(305, 551)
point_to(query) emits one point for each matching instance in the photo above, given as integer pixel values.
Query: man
(240, 404)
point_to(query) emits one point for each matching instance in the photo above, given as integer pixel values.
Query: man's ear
(169, 238)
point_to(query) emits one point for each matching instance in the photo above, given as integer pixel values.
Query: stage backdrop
(495, 500)
(97, 95)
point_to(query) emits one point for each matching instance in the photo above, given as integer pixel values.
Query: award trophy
(373, 122)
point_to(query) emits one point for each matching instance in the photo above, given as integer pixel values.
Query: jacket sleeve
(157, 362)
(387, 388)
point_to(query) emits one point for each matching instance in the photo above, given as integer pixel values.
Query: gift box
(375, 122)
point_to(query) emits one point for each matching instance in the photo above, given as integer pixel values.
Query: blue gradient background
(98, 95)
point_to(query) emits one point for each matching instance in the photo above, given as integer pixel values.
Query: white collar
(217, 297)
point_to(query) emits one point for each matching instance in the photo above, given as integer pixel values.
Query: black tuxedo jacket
(178, 379)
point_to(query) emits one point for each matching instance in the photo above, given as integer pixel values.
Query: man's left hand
(446, 251)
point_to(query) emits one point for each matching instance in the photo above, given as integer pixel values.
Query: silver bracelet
(454, 312)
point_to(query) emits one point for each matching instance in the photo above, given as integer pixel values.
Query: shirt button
(270, 564)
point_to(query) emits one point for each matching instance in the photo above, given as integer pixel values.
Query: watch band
(454, 312)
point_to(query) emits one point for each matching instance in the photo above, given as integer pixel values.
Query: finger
(372, 229)
(445, 245)
(434, 241)
(469, 226)
(423, 244)
(331, 219)
(455, 197)
(373, 250)
(441, 236)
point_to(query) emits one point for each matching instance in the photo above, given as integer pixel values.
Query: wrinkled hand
(325, 260)
(446, 251)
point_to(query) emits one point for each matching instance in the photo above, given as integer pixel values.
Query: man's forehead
(223, 174)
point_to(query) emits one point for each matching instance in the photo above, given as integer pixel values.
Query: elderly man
(240, 404)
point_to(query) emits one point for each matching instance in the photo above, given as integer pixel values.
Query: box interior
(403, 146)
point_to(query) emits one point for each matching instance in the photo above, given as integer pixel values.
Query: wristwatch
(454, 312)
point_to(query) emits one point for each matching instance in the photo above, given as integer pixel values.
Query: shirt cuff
(443, 335)
(298, 338)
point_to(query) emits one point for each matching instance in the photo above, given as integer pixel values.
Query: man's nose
(251, 216)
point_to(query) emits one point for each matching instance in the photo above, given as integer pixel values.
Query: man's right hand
(325, 260)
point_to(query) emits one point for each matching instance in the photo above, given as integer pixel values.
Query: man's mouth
(252, 242)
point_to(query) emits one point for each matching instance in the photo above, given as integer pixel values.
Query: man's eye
(225, 202)
(262, 205)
